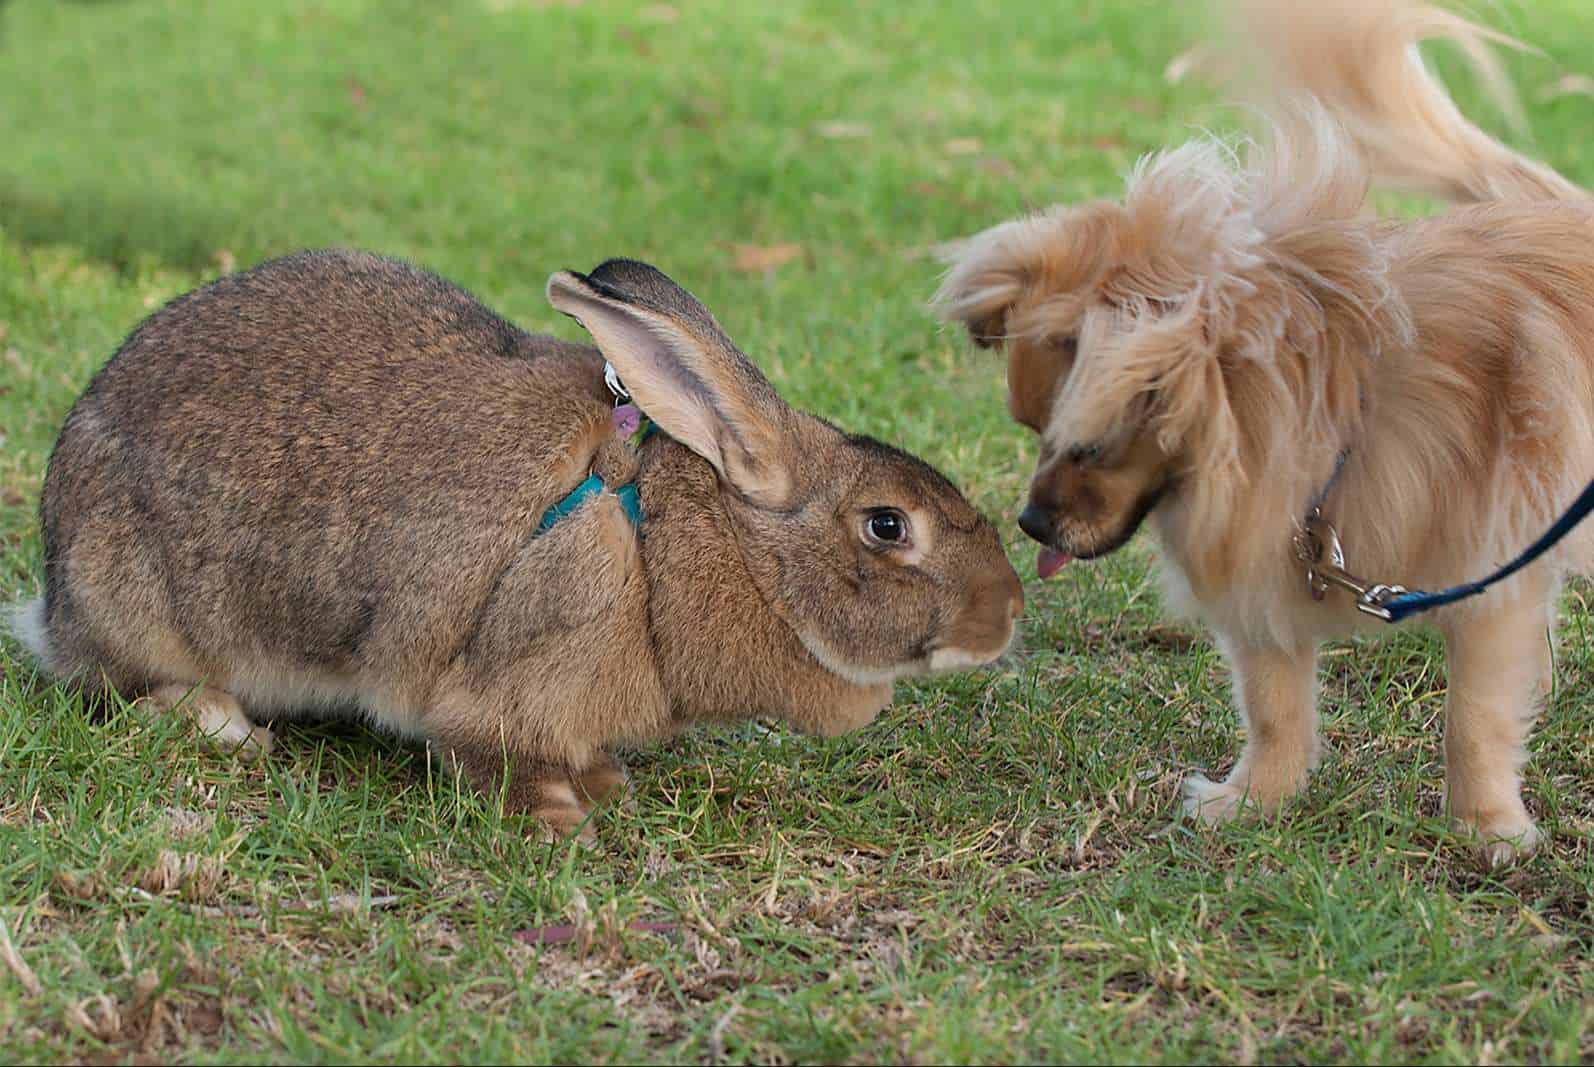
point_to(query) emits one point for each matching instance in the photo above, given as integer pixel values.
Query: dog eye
(887, 526)
(1065, 346)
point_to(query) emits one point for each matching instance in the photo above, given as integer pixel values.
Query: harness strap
(630, 500)
(630, 423)
(630, 497)
(1316, 506)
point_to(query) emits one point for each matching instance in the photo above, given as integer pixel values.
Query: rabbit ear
(685, 373)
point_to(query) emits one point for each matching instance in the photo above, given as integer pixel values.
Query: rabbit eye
(888, 526)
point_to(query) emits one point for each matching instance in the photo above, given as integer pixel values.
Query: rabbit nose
(1038, 522)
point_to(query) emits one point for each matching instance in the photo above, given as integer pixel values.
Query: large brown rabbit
(318, 485)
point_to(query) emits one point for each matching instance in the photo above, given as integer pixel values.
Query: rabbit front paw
(219, 716)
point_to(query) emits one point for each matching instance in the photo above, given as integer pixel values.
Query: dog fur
(1198, 356)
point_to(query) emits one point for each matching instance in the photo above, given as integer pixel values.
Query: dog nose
(1040, 523)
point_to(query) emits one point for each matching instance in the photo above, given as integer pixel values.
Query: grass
(993, 871)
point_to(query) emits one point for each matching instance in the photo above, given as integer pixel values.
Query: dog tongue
(1050, 561)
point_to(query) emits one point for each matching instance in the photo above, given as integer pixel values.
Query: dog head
(1160, 347)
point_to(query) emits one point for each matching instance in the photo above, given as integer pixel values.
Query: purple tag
(627, 419)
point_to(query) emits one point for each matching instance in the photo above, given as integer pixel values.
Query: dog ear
(986, 276)
(1061, 252)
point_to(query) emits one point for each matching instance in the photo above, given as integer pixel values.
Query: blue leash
(1404, 605)
(1317, 545)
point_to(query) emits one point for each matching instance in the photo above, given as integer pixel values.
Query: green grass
(993, 871)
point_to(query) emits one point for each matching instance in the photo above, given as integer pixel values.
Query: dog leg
(1277, 694)
(1499, 667)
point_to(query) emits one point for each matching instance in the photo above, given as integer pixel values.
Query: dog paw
(1507, 844)
(1212, 802)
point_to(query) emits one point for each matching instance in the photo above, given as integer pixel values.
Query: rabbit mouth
(856, 673)
(950, 658)
(944, 660)
(941, 660)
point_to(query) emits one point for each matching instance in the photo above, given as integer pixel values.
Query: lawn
(994, 870)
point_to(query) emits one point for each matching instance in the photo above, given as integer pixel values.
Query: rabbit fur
(315, 486)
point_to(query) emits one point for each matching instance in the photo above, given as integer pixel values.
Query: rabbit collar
(630, 423)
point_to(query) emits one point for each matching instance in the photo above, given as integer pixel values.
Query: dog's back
(1507, 272)
(1497, 288)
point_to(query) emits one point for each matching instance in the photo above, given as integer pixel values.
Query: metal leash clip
(611, 378)
(1317, 545)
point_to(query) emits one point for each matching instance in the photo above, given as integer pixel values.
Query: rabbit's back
(315, 470)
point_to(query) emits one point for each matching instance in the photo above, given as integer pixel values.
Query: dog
(1238, 343)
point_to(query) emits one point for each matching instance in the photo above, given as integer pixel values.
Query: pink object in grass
(627, 419)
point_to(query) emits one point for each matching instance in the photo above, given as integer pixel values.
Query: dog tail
(1360, 59)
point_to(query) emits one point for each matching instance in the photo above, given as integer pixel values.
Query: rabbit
(315, 488)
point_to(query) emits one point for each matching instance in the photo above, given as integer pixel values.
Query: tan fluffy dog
(1199, 356)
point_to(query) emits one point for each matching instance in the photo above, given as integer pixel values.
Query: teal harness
(630, 498)
(629, 421)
